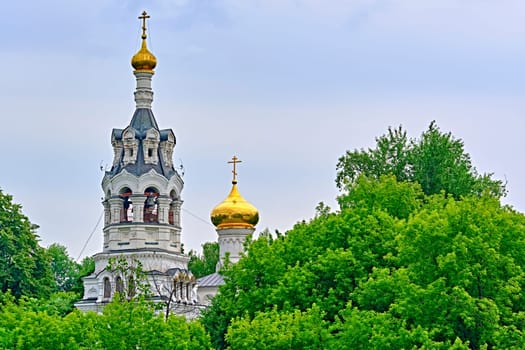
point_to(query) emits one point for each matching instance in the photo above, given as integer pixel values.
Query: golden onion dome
(234, 211)
(144, 60)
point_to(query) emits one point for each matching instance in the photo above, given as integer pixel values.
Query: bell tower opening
(171, 212)
(151, 210)
(119, 285)
(126, 212)
(107, 288)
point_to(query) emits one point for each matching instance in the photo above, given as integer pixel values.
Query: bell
(150, 201)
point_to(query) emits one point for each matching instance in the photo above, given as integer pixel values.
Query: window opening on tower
(107, 288)
(119, 285)
(150, 205)
(126, 212)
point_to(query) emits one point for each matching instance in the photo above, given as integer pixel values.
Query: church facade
(142, 214)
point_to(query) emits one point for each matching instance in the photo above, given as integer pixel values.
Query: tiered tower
(142, 202)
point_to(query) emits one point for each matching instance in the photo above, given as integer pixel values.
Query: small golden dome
(144, 60)
(234, 212)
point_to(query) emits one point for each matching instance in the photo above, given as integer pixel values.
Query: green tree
(134, 325)
(367, 329)
(437, 161)
(398, 199)
(86, 268)
(280, 330)
(464, 260)
(24, 265)
(122, 325)
(390, 156)
(58, 303)
(205, 264)
(320, 262)
(65, 270)
(394, 268)
(68, 287)
(135, 283)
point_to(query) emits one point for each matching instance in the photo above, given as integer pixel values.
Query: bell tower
(142, 190)
(142, 198)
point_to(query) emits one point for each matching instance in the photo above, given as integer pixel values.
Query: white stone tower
(142, 202)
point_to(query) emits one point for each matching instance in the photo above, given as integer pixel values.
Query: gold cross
(234, 161)
(143, 18)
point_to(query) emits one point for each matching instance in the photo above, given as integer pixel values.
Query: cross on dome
(144, 60)
(143, 17)
(234, 161)
(234, 212)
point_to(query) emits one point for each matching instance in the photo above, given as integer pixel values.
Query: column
(115, 207)
(163, 207)
(107, 212)
(175, 208)
(138, 207)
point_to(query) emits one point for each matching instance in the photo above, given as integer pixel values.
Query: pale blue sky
(286, 85)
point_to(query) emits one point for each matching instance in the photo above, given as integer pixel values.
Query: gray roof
(213, 280)
(142, 121)
(173, 271)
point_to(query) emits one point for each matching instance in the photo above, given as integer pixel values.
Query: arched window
(119, 288)
(107, 288)
(131, 287)
(150, 146)
(130, 144)
(150, 205)
(126, 213)
(171, 213)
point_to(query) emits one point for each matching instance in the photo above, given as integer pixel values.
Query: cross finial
(143, 17)
(234, 161)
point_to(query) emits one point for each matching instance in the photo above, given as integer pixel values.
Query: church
(142, 214)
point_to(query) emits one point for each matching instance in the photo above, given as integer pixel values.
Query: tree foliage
(135, 284)
(122, 325)
(394, 268)
(437, 161)
(24, 265)
(205, 264)
(66, 271)
(280, 330)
